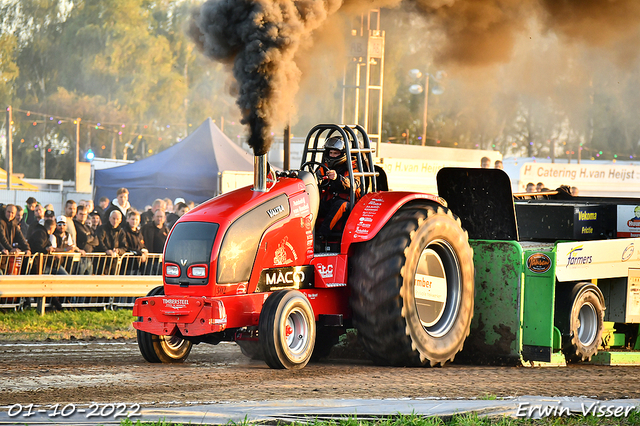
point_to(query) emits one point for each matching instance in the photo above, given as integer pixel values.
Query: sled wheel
(287, 330)
(166, 349)
(586, 324)
(412, 288)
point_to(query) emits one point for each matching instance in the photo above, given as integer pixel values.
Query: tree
(9, 70)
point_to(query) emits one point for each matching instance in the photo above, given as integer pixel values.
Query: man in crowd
(531, 187)
(168, 205)
(155, 233)
(38, 214)
(20, 221)
(70, 209)
(134, 242)
(485, 162)
(49, 214)
(86, 242)
(85, 237)
(121, 203)
(110, 236)
(39, 240)
(180, 209)
(29, 217)
(11, 238)
(88, 206)
(103, 204)
(147, 216)
(64, 241)
(94, 221)
(498, 165)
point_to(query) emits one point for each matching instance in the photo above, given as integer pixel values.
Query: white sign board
(586, 260)
(416, 175)
(590, 179)
(230, 180)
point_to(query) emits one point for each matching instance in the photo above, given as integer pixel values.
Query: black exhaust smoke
(259, 39)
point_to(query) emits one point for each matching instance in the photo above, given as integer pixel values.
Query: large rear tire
(165, 349)
(412, 288)
(287, 330)
(586, 325)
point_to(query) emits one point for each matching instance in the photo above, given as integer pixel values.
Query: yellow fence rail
(73, 280)
(77, 286)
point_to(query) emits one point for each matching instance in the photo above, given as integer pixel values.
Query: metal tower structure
(364, 76)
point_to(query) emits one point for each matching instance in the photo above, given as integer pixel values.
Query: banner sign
(628, 221)
(416, 175)
(586, 260)
(612, 176)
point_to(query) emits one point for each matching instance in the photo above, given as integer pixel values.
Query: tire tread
(378, 273)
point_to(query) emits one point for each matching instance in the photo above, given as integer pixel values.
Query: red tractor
(246, 267)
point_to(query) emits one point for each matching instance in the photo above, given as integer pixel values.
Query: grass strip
(471, 419)
(66, 325)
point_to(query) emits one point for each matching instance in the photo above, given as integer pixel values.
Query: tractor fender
(373, 211)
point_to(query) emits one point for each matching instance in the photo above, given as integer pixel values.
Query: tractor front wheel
(287, 330)
(165, 349)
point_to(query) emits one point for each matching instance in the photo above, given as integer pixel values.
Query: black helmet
(335, 143)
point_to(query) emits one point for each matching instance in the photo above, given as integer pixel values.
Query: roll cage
(358, 147)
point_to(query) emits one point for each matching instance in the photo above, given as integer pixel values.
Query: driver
(335, 193)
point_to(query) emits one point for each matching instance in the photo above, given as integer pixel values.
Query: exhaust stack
(260, 173)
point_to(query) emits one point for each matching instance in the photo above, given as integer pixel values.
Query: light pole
(416, 89)
(9, 153)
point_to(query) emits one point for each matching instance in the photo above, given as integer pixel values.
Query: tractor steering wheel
(313, 167)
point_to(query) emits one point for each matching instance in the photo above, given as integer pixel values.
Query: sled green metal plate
(495, 336)
(557, 360)
(539, 300)
(615, 358)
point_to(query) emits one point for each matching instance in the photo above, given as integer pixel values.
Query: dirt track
(84, 372)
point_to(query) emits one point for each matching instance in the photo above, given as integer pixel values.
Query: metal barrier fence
(73, 280)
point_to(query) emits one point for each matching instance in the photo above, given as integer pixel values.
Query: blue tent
(189, 170)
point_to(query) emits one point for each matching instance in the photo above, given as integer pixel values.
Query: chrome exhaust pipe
(260, 173)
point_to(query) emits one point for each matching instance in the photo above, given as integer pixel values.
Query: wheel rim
(587, 324)
(174, 343)
(437, 288)
(296, 332)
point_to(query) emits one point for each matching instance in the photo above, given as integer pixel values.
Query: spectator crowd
(112, 227)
